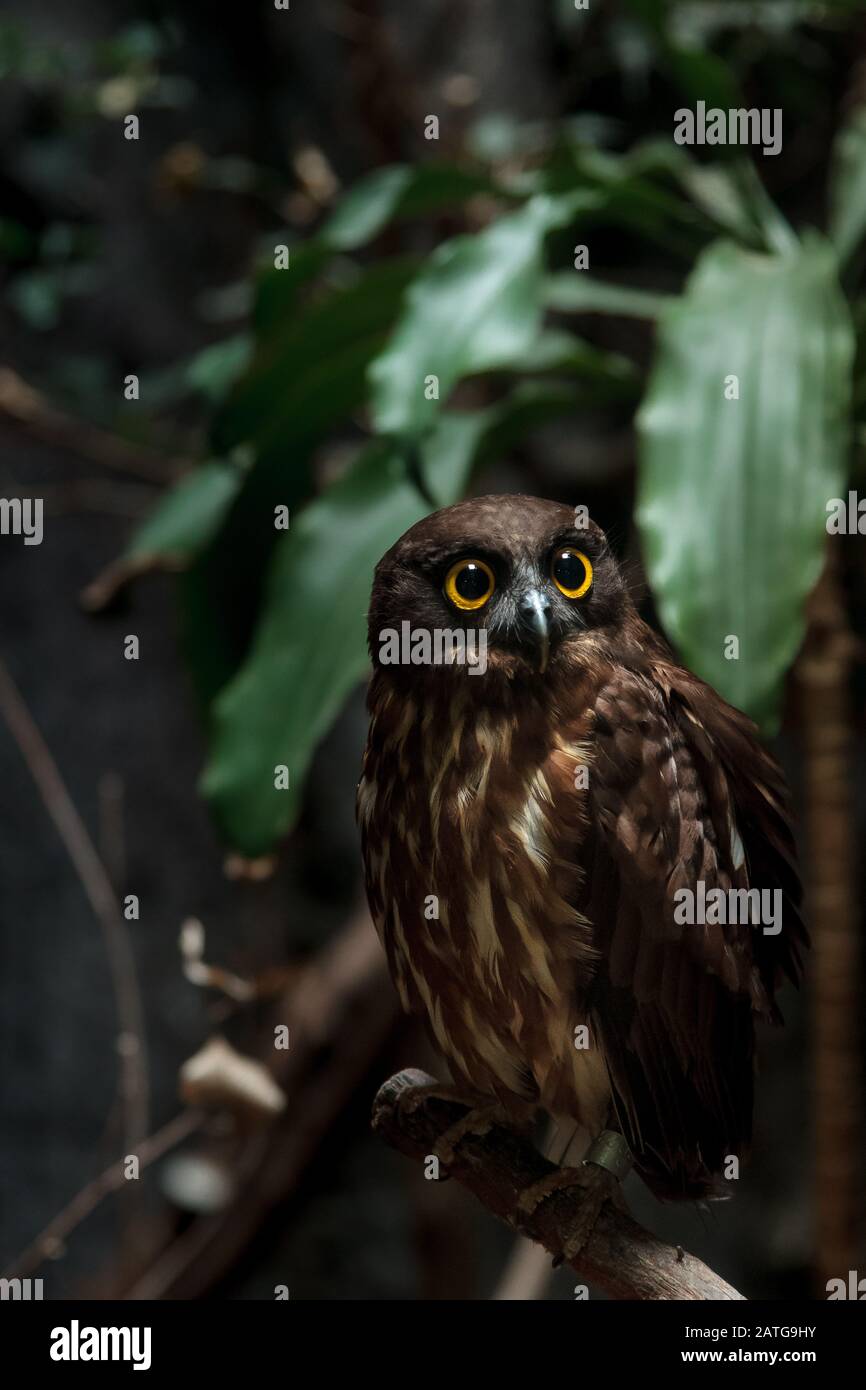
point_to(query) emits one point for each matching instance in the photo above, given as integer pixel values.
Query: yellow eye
(571, 572)
(469, 584)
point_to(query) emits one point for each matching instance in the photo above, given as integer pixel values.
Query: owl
(578, 856)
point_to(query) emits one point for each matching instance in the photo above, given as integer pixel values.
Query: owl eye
(571, 572)
(469, 584)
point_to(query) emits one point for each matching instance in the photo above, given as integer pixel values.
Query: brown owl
(579, 858)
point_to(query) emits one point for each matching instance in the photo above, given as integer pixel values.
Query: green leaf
(189, 515)
(475, 305)
(307, 375)
(607, 375)
(400, 190)
(180, 527)
(531, 405)
(629, 192)
(367, 207)
(848, 187)
(732, 495)
(699, 73)
(310, 371)
(215, 369)
(702, 76)
(310, 644)
(449, 454)
(578, 293)
(278, 291)
(775, 230)
(731, 194)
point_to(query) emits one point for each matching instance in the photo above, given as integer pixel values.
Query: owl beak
(535, 618)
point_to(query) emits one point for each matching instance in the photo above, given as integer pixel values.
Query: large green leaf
(475, 306)
(307, 375)
(310, 645)
(732, 496)
(310, 369)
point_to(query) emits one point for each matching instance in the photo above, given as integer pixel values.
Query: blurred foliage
(108, 77)
(732, 493)
(466, 272)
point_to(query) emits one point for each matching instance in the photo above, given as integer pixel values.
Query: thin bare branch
(58, 1230)
(131, 501)
(29, 410)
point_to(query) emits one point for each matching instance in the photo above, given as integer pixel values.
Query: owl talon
(559, 1180)
(481, 1115)
(597, 1185)
(415, 1096)
(477, 1122)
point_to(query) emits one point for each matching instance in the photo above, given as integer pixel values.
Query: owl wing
(681, 791)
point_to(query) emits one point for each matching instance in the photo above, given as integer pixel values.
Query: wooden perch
(619, 1255)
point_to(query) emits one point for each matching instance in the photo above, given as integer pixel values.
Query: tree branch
(619, 1255)
(824, 672)
(27, 409)
(343, 992)
(58, 1230)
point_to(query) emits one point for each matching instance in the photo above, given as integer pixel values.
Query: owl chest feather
(472, 822)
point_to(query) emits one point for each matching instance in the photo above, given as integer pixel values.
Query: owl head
(529, 584)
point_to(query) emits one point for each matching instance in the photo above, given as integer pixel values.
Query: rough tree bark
(619, 1255)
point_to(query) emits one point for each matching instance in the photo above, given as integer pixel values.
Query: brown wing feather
(678, 777)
